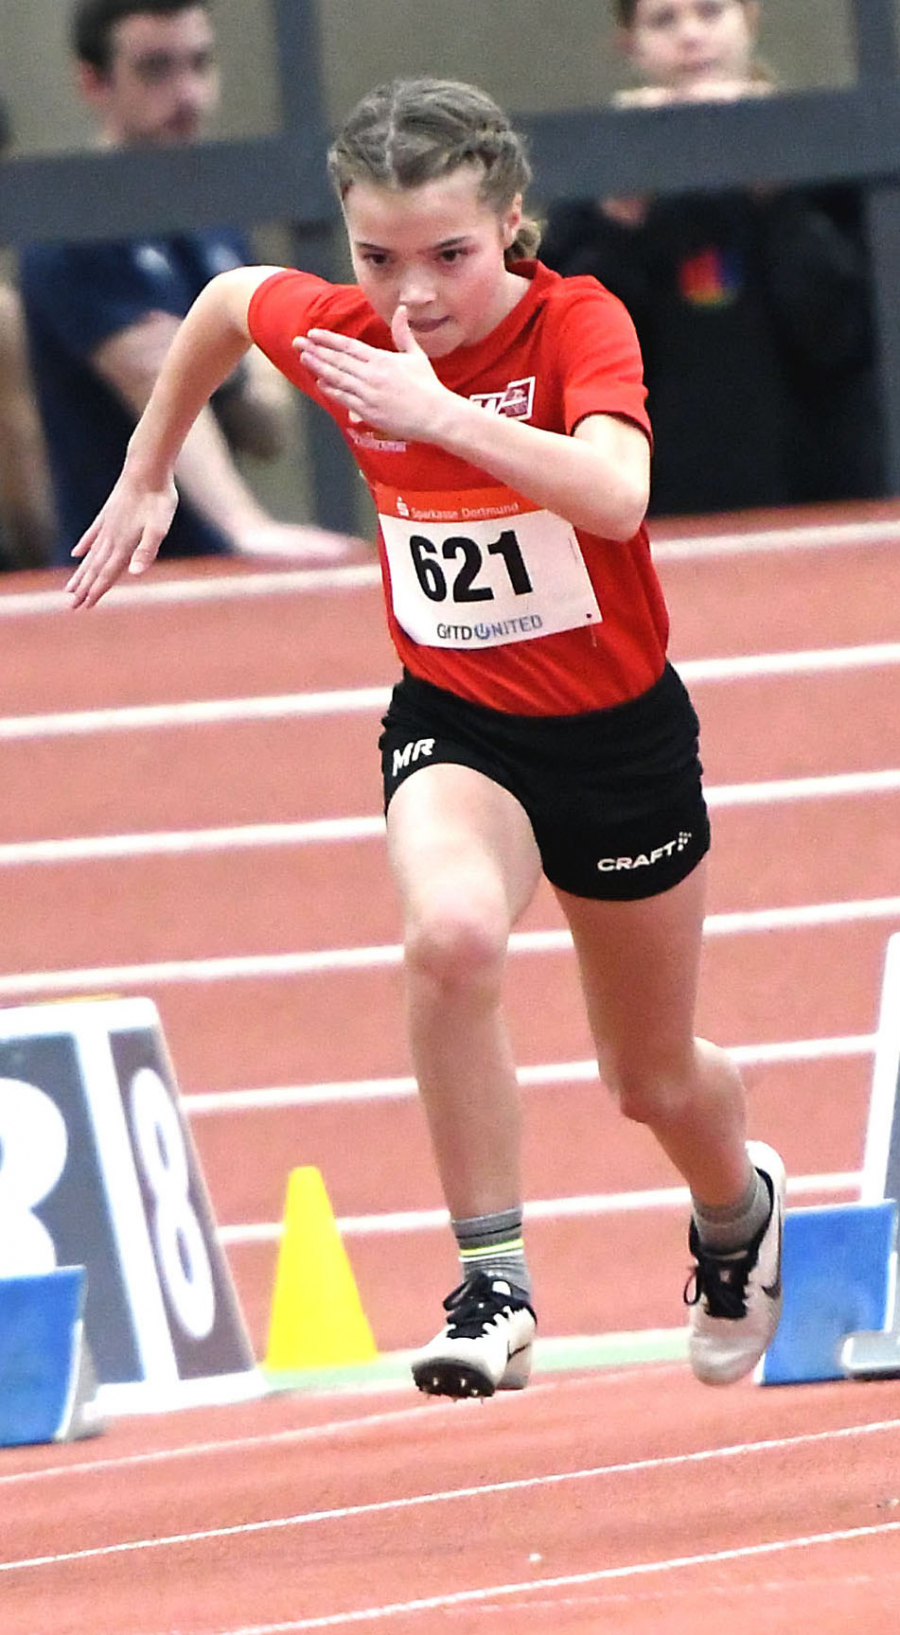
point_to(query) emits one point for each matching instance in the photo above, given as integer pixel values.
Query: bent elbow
(629, 511)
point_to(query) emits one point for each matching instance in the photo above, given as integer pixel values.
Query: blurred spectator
(101, 315)
(752, 305)
(26, 509)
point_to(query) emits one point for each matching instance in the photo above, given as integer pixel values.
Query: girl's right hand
(126, 533)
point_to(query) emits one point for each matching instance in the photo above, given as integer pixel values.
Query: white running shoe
(486, 1345)
(736, 1298)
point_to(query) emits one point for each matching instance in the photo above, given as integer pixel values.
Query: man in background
(26, 509)
(101, 316)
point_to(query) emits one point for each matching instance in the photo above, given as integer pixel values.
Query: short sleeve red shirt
(567, 350)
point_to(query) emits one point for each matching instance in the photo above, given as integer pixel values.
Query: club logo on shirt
(377, 440)
(515, 400)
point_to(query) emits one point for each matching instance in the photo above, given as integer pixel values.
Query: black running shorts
(614, 796)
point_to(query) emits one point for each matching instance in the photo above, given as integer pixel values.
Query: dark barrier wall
(292, 67)
(516, 48)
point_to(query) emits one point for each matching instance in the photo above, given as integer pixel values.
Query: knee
(649, 1090)
(458, 943)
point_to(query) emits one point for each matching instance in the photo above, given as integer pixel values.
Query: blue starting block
(47, 1388)
(841, 1295)
(837, 1271)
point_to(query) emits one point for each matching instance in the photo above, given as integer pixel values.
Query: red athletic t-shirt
(487, 595)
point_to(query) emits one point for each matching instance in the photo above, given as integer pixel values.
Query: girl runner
(497, 412)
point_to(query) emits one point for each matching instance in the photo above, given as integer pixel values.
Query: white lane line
(423, 1417)
(211, 712)
(327, 831)
(295, 581)
(791, 919)
(811, 662)
(204, 712)
(828, 786)
(204, 1102)
(825, 536)
(401, 1222)
(225, 588)
(189, 842)
(316, 962)
(643, 1569)
(242, 1444)
(720, 1595)
(522, 1484)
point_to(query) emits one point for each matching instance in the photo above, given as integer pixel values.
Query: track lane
(755, 987)
(813, 1112)
(606, 1493)
(779, 602)
(121, 655)
(766, 727)
(194, 777)
(594, 1275)
(198, 649)
(288, 1030)
(270, 899)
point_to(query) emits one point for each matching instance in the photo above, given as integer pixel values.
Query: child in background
(497, 412)
(752, 306)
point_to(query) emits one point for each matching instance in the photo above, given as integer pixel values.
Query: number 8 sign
(97, 1169)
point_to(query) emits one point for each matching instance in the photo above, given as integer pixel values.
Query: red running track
(795, 1526)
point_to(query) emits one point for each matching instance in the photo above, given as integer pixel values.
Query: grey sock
(493, 1244)
(733, 1226)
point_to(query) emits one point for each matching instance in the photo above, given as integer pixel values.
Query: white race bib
(481, 568)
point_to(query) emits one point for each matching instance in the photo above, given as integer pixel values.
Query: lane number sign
(97, 1169)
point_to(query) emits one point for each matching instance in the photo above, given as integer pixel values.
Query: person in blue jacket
(101, 315)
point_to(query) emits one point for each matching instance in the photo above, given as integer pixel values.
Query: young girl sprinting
(497, 412)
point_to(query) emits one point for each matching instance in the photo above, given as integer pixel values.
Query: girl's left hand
(396, 392)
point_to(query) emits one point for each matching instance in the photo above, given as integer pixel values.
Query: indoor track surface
(190, 811)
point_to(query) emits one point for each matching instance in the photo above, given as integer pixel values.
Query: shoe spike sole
(452, 1380)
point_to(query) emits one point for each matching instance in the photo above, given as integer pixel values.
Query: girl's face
(438, 249)
(682, 45)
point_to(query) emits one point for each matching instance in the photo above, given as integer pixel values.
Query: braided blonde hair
(413, 131)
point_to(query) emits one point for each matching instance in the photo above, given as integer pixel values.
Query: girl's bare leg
(466, 865)
(639, 964)
(639, 969)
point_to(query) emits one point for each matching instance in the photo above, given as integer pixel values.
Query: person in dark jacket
(101, 315)
(26, 507)
(752, 305)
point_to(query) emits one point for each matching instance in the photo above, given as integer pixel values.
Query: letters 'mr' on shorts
(614, 796)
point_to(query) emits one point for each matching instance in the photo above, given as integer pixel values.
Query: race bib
(481, 568)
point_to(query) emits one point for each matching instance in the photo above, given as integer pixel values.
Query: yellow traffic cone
(317, 1317)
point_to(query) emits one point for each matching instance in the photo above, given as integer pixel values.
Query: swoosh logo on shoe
(773, 1290)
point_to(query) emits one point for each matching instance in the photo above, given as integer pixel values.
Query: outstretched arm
(206, 474)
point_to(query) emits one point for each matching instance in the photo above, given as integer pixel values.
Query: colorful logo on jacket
(711, 279)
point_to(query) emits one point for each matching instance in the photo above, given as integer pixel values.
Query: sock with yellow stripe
(493, 1244)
